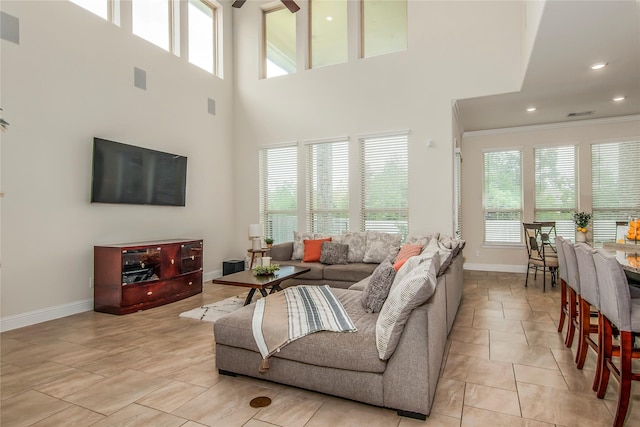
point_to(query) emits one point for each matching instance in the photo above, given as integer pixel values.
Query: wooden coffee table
(261, 283)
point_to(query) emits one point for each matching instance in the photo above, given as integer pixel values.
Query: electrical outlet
(90, 282)
(477, 253)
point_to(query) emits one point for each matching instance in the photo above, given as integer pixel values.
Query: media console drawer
(138, 276)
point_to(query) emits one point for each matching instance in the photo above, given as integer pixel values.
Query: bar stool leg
(607, 350)
(626, 349)
(600, 362)
(583, 332)
(563, 304)
(573, 314)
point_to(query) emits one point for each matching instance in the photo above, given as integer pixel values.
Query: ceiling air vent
(580, 114)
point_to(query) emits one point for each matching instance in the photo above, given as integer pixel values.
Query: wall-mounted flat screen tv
(134, 175)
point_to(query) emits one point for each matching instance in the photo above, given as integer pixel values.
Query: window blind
(502, 197)
(457, 172)
(279, 192)
(328, 187)
(385, 184)
(556, 187)
(615, 173)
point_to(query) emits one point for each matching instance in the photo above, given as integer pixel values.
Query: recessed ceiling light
(329, 18)
(619, 98)
(531, 109)
(599, 66)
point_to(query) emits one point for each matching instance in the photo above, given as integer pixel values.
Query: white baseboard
(501, 268)
(44, 315)
(29, 318)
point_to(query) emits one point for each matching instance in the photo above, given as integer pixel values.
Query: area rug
(214, 311)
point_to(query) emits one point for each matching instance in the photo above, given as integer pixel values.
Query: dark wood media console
(131, 277)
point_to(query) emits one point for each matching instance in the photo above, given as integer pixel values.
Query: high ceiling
(572, 36)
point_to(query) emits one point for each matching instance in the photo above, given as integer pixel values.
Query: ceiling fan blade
(238, 3)
(291, 5)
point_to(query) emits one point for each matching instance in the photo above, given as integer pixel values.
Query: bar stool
(619, 309)
(562, 275)
(573, 284)
(589, 296)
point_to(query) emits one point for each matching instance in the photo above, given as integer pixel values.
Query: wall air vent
(580, 114)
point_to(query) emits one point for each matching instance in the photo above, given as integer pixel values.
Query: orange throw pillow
(313, 249)
(406, 252)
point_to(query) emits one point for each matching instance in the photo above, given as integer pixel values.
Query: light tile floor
(505, 366)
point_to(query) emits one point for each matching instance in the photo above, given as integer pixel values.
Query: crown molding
(547, 126)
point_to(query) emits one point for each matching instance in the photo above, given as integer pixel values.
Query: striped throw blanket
(285, 316)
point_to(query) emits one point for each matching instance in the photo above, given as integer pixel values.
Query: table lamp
(255, 234)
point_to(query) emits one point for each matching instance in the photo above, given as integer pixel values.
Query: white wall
(581, 133)
(456, 50)
(70, 79)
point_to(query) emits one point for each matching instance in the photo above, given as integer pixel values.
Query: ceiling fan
(290, 4)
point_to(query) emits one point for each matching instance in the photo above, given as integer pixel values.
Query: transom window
(98, 7)
(502, 197)
(279, 42)
(202, 35)
(384, 26)
(151, 21)
(328, 32)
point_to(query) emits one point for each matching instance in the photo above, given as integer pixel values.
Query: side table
(253, 253)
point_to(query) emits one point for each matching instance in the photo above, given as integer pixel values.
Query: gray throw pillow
(377, 290)
(334, 253)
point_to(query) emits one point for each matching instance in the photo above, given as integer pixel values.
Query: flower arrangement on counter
(262, 270)
(582, 220)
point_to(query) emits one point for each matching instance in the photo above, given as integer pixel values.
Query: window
(385, 184)
(502, 197)
(328, 187)
(279, 42)
(555, 187)
(328, 32)
(615, 173)
(279, 192)
(151, 21)
(384, 26)
(202, 35)
(99, 7)
(457, 197)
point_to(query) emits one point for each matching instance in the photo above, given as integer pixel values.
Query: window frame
(363, 30)
(312, 64)
(265, 11)
(173, 19)
(310, 211)
(621, 213)
(562, 228)
(263, 176)
(401, 211)
(498, 243)
(215, 34)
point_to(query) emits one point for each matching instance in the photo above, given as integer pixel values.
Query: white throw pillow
(298, 244)
(357, 241)
(412, 291)
(381, 246)
(421, 239)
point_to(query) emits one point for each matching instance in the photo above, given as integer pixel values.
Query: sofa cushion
(455, 245)
(353, 351)
(334, 253)
(421, 239)
(377, 290)
(413, 290)
(348, 272)
(361, 285)
(298, 245)
(357, 241)
(313, 249)
(381, 246)
(406, 251)
(314, 274)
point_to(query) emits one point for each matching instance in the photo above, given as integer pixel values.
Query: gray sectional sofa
(348, 364)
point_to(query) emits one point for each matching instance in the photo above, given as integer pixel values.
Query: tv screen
(134, 175)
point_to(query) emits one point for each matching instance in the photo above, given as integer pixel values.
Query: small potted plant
(268, 241)
(582, 221)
